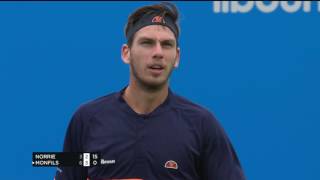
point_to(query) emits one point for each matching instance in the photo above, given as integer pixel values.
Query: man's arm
(219, 159)
(73, 143)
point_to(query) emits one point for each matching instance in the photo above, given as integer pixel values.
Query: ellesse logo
(171, 165)
(158, 19)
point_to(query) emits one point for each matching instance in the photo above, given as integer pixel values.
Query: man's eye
(146, 42)
(168, 45)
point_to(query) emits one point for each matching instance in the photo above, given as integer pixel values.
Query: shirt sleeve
(218, 160)
(73, 143)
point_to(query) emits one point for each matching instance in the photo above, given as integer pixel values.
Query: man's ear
(176, 64)
(125, 53)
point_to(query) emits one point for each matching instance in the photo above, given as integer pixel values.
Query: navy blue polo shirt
(179, 140)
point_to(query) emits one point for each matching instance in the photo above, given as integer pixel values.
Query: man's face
(152, 56)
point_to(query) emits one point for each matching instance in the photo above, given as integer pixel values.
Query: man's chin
(154, 84)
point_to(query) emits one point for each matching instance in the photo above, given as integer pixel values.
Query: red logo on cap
(158, 19)
(171, 165)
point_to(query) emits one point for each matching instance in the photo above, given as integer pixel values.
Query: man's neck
(143, 101)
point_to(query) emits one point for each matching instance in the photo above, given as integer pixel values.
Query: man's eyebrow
(171, 41)
(151, 39)
(145, 38)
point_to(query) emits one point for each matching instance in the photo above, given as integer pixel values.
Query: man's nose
(158, 51)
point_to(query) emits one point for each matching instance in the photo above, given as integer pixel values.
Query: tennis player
(146, 131)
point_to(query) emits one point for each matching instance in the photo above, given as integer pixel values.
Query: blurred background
(257, 71)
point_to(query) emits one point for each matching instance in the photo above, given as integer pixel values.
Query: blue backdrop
(258, 72)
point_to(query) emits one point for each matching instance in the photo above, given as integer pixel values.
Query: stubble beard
(144, 84)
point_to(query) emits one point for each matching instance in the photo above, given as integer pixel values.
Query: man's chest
(158, 147)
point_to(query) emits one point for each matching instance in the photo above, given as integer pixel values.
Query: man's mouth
(156, 69)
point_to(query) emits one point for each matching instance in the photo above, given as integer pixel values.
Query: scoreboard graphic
(53, 159)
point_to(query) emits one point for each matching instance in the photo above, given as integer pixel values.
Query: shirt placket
(140, 148)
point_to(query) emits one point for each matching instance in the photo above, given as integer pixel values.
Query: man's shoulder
(187, 106)
(197, 115)
(94, 106)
